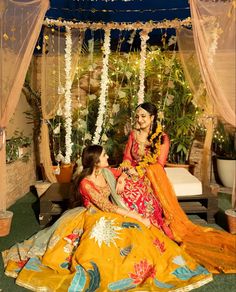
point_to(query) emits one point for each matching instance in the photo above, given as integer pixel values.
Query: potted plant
(16, 148)
(224, 160)
(224, 147)
(5, 222)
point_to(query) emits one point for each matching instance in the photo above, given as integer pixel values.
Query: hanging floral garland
(67, 107)
(104, 87)
(144, 37)
(175, 23)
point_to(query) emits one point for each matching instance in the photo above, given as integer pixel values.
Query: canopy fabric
(214, 38)
(53, 84)
(20, 25)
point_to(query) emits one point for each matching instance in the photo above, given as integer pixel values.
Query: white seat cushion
(183, 182)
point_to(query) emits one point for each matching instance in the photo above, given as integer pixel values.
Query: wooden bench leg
(210, 217)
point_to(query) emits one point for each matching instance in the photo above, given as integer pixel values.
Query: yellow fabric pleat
(144, 258)
(212, 248)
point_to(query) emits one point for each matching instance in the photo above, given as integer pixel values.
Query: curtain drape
(213, 25)
(20, 24)
(53, 84)
(214, 37)
(188, 56)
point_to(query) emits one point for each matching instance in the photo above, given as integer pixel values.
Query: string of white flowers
(104, 87)
(67, 106)
(144, 37)
(175, 23)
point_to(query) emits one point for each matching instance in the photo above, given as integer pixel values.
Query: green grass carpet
(25, 224)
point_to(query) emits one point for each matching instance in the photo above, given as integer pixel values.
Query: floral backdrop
(119, 89)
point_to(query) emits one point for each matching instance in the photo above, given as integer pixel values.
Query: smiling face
(143, 119)
(103, 159)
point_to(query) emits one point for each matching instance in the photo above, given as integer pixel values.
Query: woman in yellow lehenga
(147, 151)
(102, 247)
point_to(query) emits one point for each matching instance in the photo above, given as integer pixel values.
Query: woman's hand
(146, 222)
(132, 171)
(140, 218)
(120, 185)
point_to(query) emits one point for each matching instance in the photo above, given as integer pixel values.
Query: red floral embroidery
(143, 270)
(138, 196)
(22, 263)
(160, 245)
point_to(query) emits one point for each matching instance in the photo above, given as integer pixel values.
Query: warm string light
(150, 10)
(108, 0)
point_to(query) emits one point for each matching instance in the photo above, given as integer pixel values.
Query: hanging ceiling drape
(190, 64)
(214, 37)
(20, 24)
(53, 84)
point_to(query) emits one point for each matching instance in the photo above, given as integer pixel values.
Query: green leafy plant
(169, 90)
(165, 86)
(223, 144)
(14, 145)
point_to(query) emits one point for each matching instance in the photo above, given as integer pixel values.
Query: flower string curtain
(20, 24)
(190, 64)
(104, 88)
(144, 38)
(214, 37)
(54, 84)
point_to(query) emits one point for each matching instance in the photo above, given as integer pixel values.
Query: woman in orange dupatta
(147, 151)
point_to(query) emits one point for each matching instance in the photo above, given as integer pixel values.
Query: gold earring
(151, 126)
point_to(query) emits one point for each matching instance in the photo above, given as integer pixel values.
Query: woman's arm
(134, 215)
(96, 197)
(103, 203)
(127, 157)
(164, 151)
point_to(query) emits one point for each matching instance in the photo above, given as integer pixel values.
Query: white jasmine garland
(144, 37)
(67, 106)
(175, 23)
(104, 87)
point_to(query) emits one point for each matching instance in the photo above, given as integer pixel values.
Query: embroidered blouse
(94, 195)
(135, 151)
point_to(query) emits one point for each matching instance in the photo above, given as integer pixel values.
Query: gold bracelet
(126, 214)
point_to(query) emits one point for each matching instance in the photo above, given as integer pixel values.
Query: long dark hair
(152, 110)
(90, 158)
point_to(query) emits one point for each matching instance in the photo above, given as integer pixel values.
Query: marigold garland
(126, 164)
(151, 158)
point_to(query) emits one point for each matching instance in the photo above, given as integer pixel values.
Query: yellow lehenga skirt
(212, 248)
(90, 250)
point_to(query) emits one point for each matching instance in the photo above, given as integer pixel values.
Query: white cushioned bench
(183, 182)
(192, 196)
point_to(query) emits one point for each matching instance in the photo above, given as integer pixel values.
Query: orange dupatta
(214, 249)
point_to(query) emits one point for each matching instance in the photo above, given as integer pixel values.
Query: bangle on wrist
(126, 214)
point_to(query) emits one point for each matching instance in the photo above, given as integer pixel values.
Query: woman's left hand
(120, 185)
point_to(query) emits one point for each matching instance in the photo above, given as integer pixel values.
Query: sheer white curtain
(192, 72)
(214, 37)
(20, 24)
